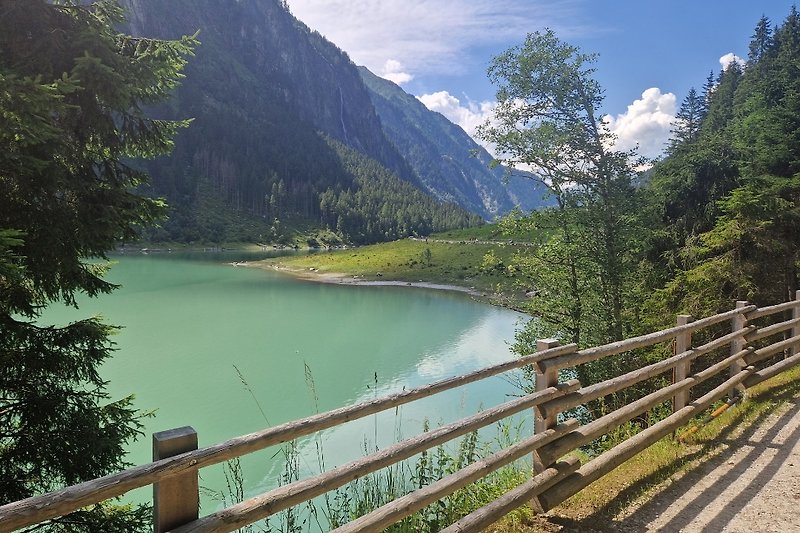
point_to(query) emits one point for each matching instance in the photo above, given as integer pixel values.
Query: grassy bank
(440, 259)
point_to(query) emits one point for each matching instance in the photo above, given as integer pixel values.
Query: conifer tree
(708, 92)
(761, 42)
(720, 105)
(72, 92)
(742, 181)
(687, 121)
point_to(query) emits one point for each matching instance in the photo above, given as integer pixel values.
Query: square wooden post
(544, 381)
(796, 328)
(683, 342)
(739, 322)
(176, 500)
(541, 423)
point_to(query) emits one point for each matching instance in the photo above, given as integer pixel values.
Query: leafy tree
(72, 92)
(547, 118)
(580, 275)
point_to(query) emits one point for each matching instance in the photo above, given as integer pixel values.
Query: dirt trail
(753, 485)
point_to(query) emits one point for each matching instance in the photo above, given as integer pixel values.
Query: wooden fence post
(739, 322)
(683, 342)
(796, 328)
(541, 423)
(176, 500)
(544, 380)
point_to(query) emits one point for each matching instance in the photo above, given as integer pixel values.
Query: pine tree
(708, 93)
(720, 106)
(71, 119)
(761, 42)
(688, 121)
(740, 183)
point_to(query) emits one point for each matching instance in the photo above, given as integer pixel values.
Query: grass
(487, 232)
(596, 508)
(642, 478)
(456, 263)
(373, 490)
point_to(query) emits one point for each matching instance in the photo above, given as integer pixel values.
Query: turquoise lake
(230, 350)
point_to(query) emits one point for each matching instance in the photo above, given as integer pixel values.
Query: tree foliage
(688, 121)
(547, 119)
(72, 97)
(731, 197)
(580, 276)
(715, 221)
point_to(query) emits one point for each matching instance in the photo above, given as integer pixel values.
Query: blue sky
(650, 53)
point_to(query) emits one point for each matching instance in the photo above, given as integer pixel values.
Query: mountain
(451, 165)
(255, 54)
(286, 134)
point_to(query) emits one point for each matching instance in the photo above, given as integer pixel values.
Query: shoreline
(180, 247)
(337, 278)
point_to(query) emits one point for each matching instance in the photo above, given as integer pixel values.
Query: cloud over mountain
(468, 116)
(426, 36)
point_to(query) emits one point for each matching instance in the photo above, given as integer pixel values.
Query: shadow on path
(739, 435)
(720, 490)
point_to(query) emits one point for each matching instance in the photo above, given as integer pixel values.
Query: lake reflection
(230, 350)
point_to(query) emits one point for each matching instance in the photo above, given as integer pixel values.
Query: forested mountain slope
(451, 165)
(275, 107)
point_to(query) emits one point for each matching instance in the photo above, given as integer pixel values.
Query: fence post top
(546, 344)
(175, 433)
(174, 441)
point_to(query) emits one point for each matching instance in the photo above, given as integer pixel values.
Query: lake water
(230, 350)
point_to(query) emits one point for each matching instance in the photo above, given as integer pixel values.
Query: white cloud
(468, 116)
(729, 58)
(646, 123)
(430, 37)
(394, 71)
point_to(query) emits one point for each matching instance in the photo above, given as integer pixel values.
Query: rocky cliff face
(270, 52)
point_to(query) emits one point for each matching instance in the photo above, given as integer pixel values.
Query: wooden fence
(741, 348)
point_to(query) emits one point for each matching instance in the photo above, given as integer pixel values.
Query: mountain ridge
(450, 163)
(283, 134)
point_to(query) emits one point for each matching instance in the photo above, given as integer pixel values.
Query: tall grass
(374, 490)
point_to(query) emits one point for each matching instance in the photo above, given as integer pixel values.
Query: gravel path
(752, 486)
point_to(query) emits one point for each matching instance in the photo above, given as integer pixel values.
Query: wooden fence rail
(176, 461)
